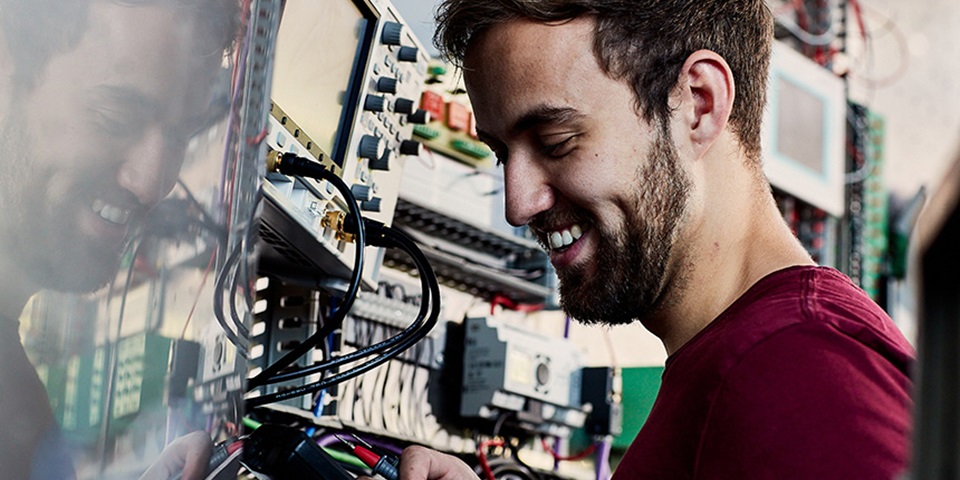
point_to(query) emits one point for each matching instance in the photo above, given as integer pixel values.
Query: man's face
(601, 188)
(96, 141)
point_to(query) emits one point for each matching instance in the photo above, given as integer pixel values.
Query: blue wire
(318, 404)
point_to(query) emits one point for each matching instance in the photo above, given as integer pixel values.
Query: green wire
(251, 423)
(344, 457)
(337, 455)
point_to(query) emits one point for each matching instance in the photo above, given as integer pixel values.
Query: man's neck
(739, 239)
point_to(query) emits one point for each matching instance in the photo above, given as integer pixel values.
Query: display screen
(800, 134)
(317, 51)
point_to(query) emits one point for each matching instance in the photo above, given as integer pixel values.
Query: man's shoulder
(808, 295)
(787, 305)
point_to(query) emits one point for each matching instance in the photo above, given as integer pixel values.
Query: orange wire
(203, 282)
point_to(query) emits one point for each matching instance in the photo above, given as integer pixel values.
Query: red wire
(556, 456)
(482, 455)
(858, 13)
(203, 282)
(259, 138)
(510, 304)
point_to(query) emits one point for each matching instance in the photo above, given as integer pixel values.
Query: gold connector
(273, 160)
(334, 219)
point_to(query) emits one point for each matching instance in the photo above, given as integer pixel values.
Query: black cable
(429, 286)
(385, 345)
(290, 164)
(250, 238)
(241, 328)
(207, 219)
(390, 347)
(233, 265)
(218, 304)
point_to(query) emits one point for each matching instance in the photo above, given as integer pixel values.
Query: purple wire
(388, 447)
(328, 440)
(603, 459)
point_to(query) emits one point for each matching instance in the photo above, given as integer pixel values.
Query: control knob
(387, 85)
(407, 54)
(403, 105)
(372, 205)
(382, 163)
(420, 117)
(410, 147)
(370, 147)
(362, 192)
(374, 103)
(391, 33)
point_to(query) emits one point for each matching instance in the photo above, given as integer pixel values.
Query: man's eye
(115, 123)
(557, 150)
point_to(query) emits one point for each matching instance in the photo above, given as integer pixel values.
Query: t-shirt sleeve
(808, 402)
(52, 459)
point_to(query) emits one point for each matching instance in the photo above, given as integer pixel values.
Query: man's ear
(706, 93)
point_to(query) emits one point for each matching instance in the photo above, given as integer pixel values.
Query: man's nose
(150, 166)
(527, 190)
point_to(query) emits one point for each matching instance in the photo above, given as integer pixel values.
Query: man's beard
(40, 243)
(629, 271)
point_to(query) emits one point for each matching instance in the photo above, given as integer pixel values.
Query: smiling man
(629, 134)
(98, 99)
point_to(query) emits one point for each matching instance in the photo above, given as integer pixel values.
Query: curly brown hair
(644, 44)
(36, 30)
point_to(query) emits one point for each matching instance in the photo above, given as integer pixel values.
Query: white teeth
(111, 213)
(564, 238)
(556, 240)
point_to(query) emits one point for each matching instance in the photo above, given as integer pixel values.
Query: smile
(561, 239)
(111, 213)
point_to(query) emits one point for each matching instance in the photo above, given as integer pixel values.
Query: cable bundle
(366, 232)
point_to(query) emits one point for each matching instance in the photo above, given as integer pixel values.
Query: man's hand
(188, 454)
(420, 463)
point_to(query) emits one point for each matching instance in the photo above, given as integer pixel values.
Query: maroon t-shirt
(803, 377)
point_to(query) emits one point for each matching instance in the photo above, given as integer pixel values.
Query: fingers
(420, 463)
(188, 454)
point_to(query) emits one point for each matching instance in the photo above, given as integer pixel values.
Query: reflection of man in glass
(98, 99)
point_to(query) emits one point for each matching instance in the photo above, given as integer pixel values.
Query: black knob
(387, 85)
(370, 147)
(382, 163)
(374, 103)
(361, 192)
(391, 33)
(420, 117)
(410, 147)
(372, 205)
(403, 105)
(407, 54)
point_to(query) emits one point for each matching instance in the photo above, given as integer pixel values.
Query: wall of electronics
(348, 353)
(382, 309)
(379, 202)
